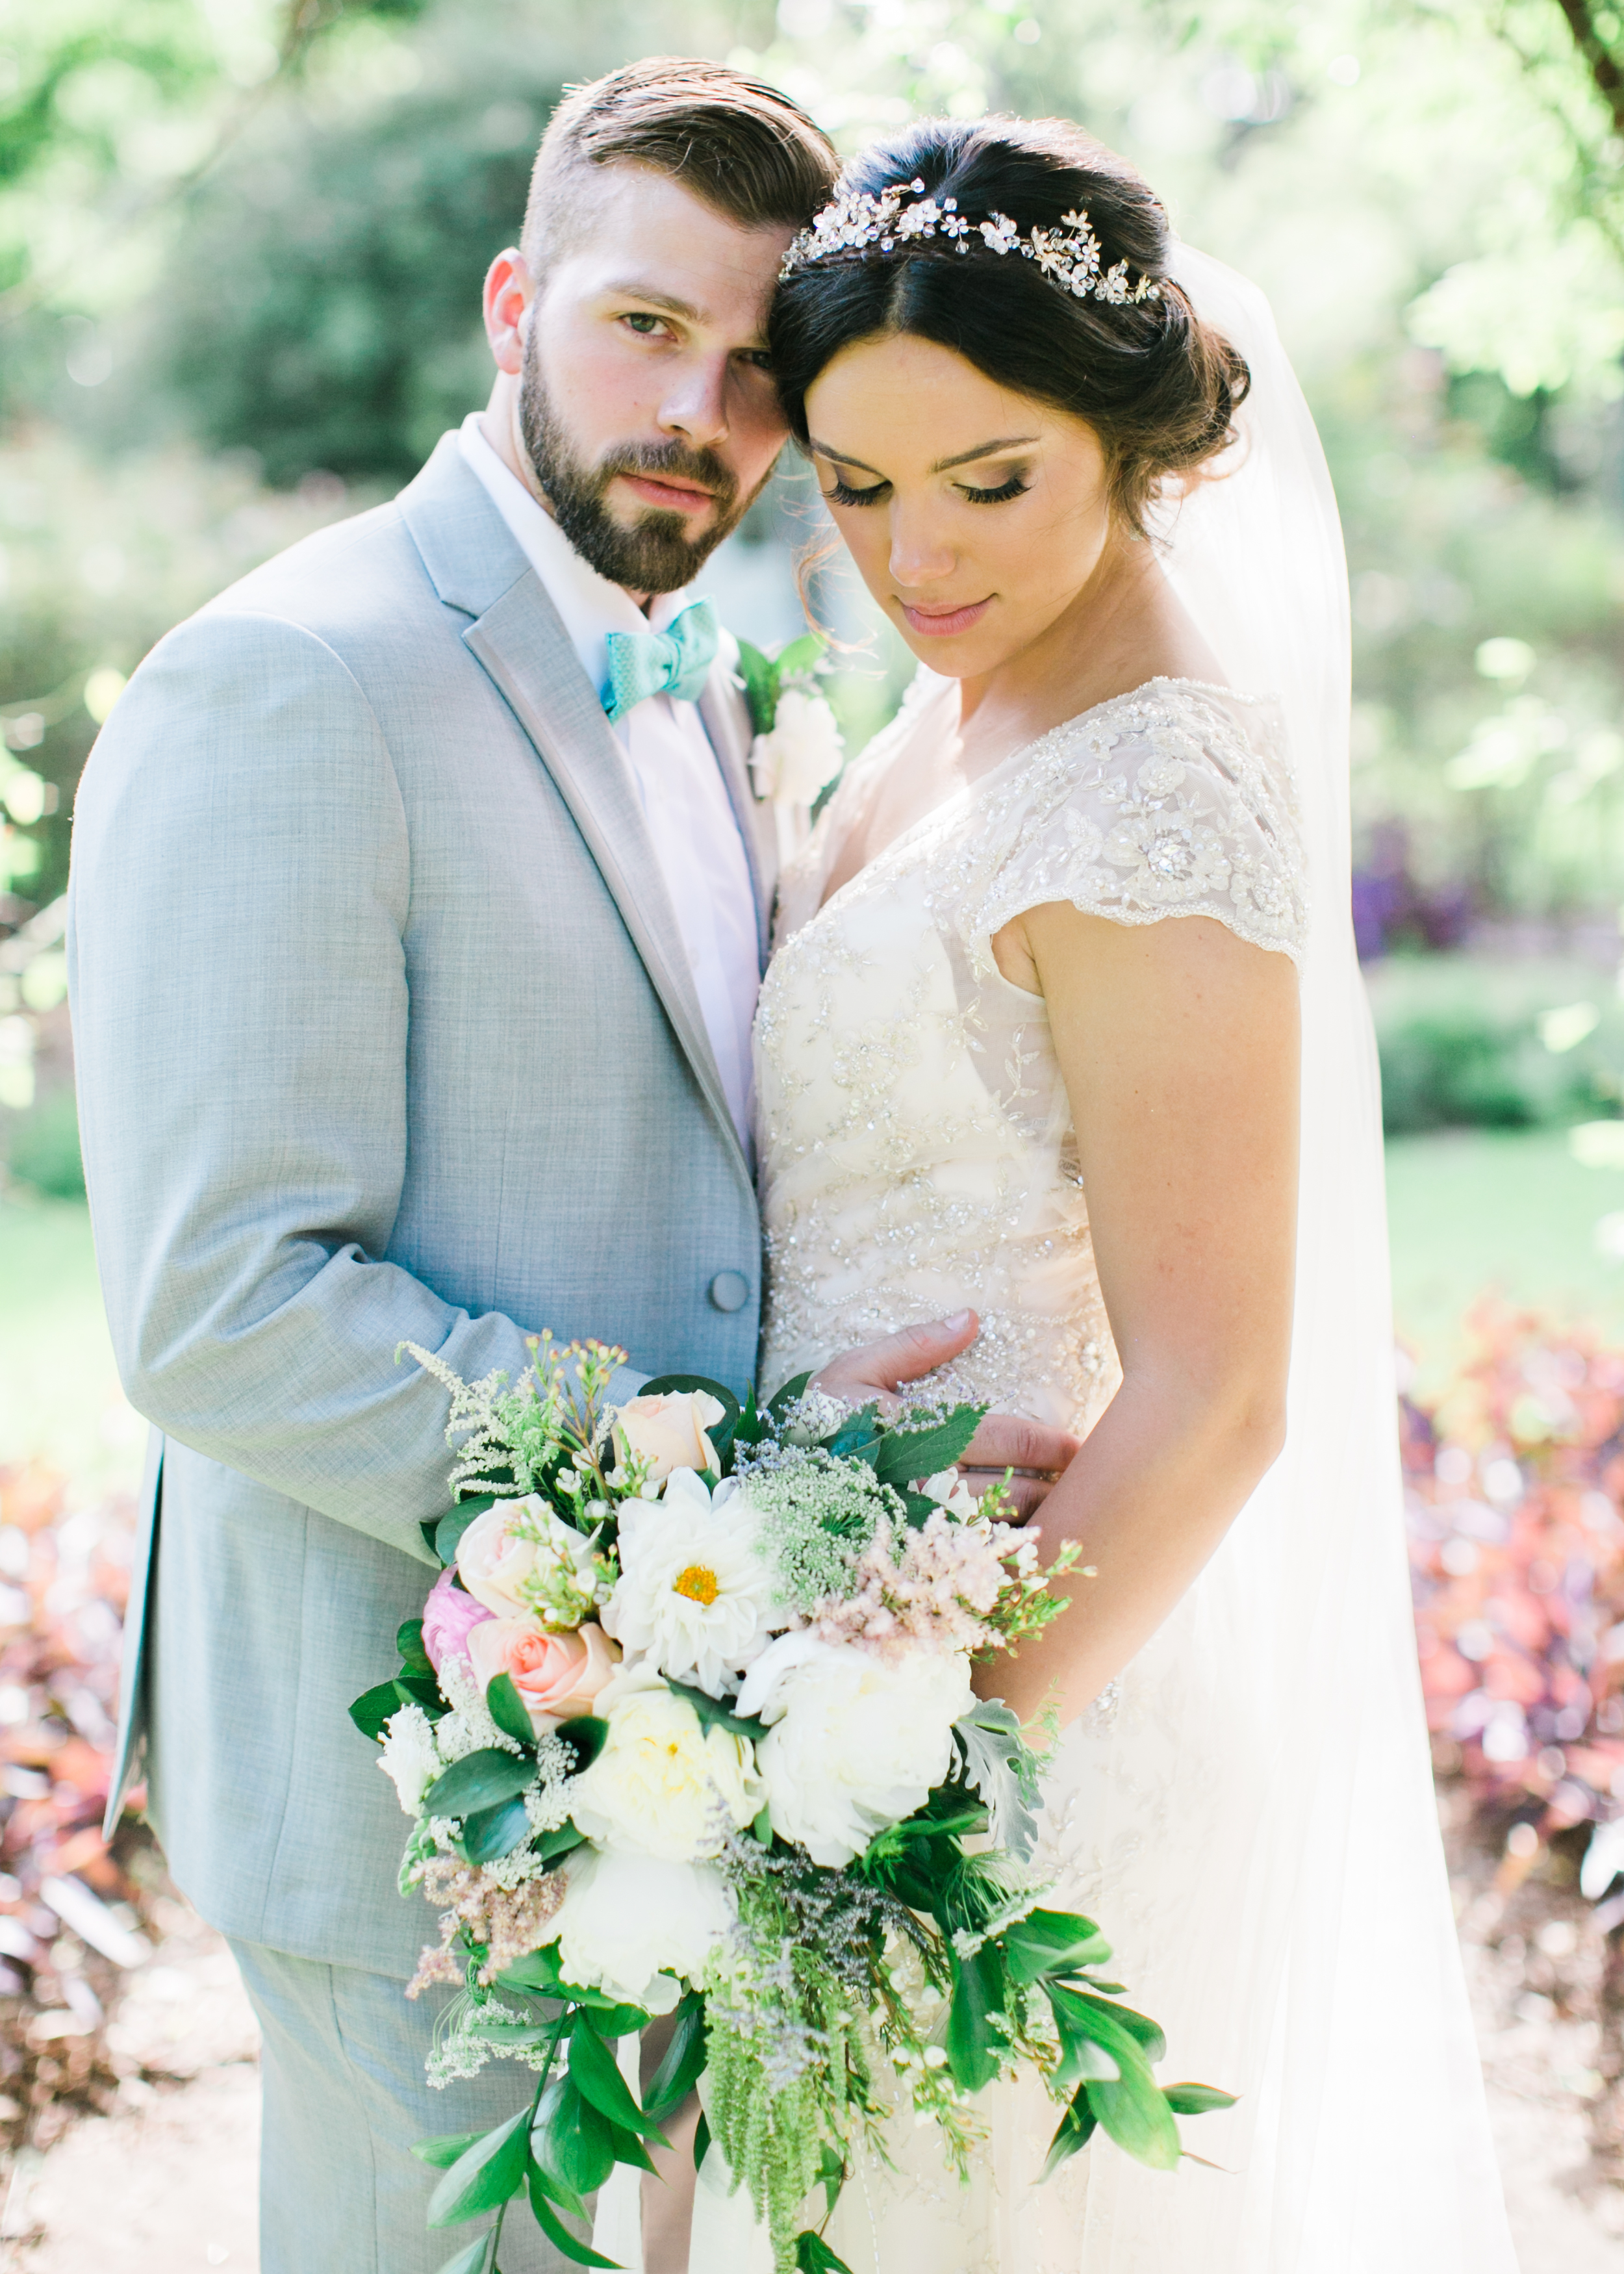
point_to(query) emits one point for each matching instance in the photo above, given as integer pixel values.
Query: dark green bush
(1464, 1043)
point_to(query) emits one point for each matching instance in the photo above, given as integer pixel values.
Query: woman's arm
(1179, 1044)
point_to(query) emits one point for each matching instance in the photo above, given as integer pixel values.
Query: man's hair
(743, 146)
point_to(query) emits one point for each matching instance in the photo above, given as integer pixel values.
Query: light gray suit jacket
(385, 1032)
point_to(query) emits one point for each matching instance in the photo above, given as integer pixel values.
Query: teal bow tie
(675, 662)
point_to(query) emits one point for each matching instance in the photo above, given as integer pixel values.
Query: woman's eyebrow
(942, 465)
(839, 458)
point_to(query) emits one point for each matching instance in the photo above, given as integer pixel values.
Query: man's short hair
(743, 146)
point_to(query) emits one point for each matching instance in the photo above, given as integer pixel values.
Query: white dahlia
(696, 1594)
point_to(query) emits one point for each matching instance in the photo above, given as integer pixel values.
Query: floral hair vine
(1069, 256)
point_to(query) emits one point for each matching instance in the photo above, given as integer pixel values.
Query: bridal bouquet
(686, 1729)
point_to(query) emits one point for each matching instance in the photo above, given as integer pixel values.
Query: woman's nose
(919, 553)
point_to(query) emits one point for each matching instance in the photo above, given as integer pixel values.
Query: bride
(1065, 1024)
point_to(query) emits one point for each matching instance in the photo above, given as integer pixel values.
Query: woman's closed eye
(1013, 487)
(840, 492)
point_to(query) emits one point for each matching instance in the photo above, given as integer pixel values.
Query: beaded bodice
(916, 1141)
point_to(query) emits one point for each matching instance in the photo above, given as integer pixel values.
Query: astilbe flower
(508, 1921)
(939, 1592)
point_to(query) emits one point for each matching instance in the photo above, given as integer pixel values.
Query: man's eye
(643, 323)
(757, 358)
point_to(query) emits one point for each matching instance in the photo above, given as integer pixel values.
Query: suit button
(730, 1291)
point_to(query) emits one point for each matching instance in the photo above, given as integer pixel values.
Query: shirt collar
(589, 605)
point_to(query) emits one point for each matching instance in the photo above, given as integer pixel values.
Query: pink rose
(556, 1675)
(449, 1617)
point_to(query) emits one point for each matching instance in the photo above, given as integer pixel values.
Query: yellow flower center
(698, 1583)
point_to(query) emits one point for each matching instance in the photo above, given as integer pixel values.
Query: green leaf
(702, 2139)
(508, 1710)
(443, 2152)
(917, 1508)
(597, 2075)
(485, 2174)
(794, 1389)
(1052, 1942)
(497, 2032)
(537, 1973)
(1195, 2099)
(408, 1642)
(797, 657)
(618, 2021)
(714, 1715)
(478, 2258)
(761, 686)
(830, 2174)
(858, 1436)
(629, 2148)
(1085, 2023)
(1144, 2032)
(557, 2233)
(421, 1690)
(751, 1429)
(813, 2255)
(1002, 1768)
(449, 1528)
(1138, 2118)
(562, 1841)
(571, 2139)
(973, 2043)
(493, 1833)
(907, 1456)
(1077, 2128)
(586, 1735)
(683, 2061)
(373, 1708)
(478, 1780)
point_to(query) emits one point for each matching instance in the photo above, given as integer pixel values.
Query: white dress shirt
(691, 821)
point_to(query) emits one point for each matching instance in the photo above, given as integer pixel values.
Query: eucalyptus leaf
(596, 2072)
(508, 1710)
(449, 1528)
(493, 1833)
(683, 2061)
(485, 2174)
(478, 1780)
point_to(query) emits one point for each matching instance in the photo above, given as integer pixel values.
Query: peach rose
(668, 1432)
(556, 1675)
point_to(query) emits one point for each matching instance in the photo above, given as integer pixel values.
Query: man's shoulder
(338, 581)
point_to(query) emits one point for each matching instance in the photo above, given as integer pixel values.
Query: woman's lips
(679, 497)
(942, 623)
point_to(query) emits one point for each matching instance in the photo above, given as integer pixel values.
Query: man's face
(646, 405)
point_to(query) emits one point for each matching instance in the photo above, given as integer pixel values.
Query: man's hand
(874, 1373)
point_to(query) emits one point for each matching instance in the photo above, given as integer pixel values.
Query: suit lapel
(478, 568)
(726, 722)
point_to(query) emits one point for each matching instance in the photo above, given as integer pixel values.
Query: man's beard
(656, 554)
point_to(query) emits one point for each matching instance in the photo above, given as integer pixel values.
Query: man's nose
(696, 405)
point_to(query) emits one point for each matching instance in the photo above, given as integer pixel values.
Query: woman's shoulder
(1173, 799)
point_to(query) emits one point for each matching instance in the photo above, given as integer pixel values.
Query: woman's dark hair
(1158, 386)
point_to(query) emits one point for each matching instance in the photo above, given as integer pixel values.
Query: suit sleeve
(240, 886)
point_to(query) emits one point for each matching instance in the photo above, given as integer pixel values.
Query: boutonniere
(797, 750)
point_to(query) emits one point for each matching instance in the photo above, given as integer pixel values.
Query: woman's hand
(1179, 1044)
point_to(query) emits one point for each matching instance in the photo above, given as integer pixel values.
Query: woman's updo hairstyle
(1159, 387)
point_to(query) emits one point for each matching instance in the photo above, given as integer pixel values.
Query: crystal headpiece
(1069, 256)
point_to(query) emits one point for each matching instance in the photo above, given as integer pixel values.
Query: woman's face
(976, 515)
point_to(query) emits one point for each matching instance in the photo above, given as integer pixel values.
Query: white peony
(694, 1594)
(801, 755)
(629, 1923)
(858, 1740)
(661, 1783)
(409, 1756)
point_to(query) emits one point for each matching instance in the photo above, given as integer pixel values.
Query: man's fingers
(1010, 1440)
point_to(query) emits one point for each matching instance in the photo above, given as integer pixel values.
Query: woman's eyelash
(1013, 488)
(843, 493)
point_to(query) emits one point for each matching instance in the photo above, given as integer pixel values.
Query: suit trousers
(345, 2097)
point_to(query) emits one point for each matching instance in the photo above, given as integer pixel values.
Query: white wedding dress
(1291, 1930)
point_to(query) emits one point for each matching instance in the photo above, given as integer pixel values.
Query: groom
(419, 904)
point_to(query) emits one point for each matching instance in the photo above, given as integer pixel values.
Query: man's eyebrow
(632, 289)
(942, 465)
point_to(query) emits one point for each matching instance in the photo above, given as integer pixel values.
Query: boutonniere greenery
(798, 749)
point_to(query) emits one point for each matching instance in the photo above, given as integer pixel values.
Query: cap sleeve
(1172, 801)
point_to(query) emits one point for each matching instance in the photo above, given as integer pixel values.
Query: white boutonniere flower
(797, 749)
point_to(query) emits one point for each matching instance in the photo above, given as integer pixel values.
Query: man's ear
(508, 292)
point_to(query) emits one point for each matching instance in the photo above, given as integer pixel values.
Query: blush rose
(556, 1675)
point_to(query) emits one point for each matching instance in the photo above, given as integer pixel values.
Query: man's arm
(240, 884)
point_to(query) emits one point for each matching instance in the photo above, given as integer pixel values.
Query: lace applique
(1157, 804)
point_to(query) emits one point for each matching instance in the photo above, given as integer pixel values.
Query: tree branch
(1606, 76)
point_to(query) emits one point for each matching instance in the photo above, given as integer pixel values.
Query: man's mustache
(674, 461)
